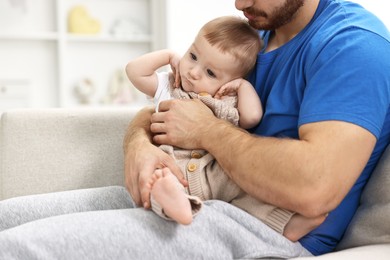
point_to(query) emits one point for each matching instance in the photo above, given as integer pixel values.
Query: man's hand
(140, 163)
(182, 123)
(142, 158)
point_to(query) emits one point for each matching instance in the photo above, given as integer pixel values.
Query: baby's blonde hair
(234, 35)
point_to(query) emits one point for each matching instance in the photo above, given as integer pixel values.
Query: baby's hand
(174, 62)
(229, 89)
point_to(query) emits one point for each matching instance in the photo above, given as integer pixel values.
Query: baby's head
(225, 49)
(235, 36)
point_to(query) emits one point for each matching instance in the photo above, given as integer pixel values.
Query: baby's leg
(298, 226)
(167, 191)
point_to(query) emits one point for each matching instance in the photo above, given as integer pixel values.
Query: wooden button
(196, 155)
(203, 94)
(191, 167)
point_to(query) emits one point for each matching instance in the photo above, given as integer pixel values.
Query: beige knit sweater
(207, 179)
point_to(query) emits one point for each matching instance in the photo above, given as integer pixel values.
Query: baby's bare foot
(168, 192)
(155, 176)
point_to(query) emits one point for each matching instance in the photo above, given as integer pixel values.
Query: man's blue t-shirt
(337, 68)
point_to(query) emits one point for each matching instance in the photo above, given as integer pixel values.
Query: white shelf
(143, 38)
(44, 36)
(36, 47)
(146, 38)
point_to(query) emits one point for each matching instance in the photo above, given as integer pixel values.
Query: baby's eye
(210, 73)
(193, 56)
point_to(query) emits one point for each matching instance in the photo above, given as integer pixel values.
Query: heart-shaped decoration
(79, 21)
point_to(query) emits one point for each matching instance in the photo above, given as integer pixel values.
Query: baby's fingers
(220, 93)
(177, 78)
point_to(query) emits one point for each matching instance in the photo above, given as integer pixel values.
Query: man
(324, 80)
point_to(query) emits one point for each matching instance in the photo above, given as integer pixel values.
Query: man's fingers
(157, 122)
(160, 139)
(145, 194)
(177, 172)
(134, 192)
(132, 184)
(157, 128)
(164, 106)
(135, 195)
(157, 117)
(144, 177)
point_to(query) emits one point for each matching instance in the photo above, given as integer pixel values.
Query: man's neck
(287, 32)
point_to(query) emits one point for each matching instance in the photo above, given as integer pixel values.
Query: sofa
(58, 149)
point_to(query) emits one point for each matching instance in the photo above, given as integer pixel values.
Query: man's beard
(279, 17)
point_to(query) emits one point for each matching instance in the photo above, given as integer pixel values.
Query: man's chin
(260, 26)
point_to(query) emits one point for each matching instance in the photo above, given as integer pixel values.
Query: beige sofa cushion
(52, 150)
(371, 223)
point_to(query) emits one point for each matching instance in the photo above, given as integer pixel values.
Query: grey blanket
(103, 223)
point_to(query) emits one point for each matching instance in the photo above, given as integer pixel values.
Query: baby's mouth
(186, 82)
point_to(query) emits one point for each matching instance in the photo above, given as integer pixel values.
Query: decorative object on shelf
(55, 60)
(14, 15)
(14, 92)
(120, 90)
(80, 22)
(125, 27)
(21, 4)
(84, 90)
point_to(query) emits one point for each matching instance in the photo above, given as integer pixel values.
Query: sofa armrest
(55, 149)
(377, 252)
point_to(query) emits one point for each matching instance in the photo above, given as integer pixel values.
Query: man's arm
(309, 176)
(142, 158)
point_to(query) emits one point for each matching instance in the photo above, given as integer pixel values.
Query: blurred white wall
(379, 7)
(185, 17)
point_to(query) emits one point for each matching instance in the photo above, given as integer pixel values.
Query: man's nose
(242, 4)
